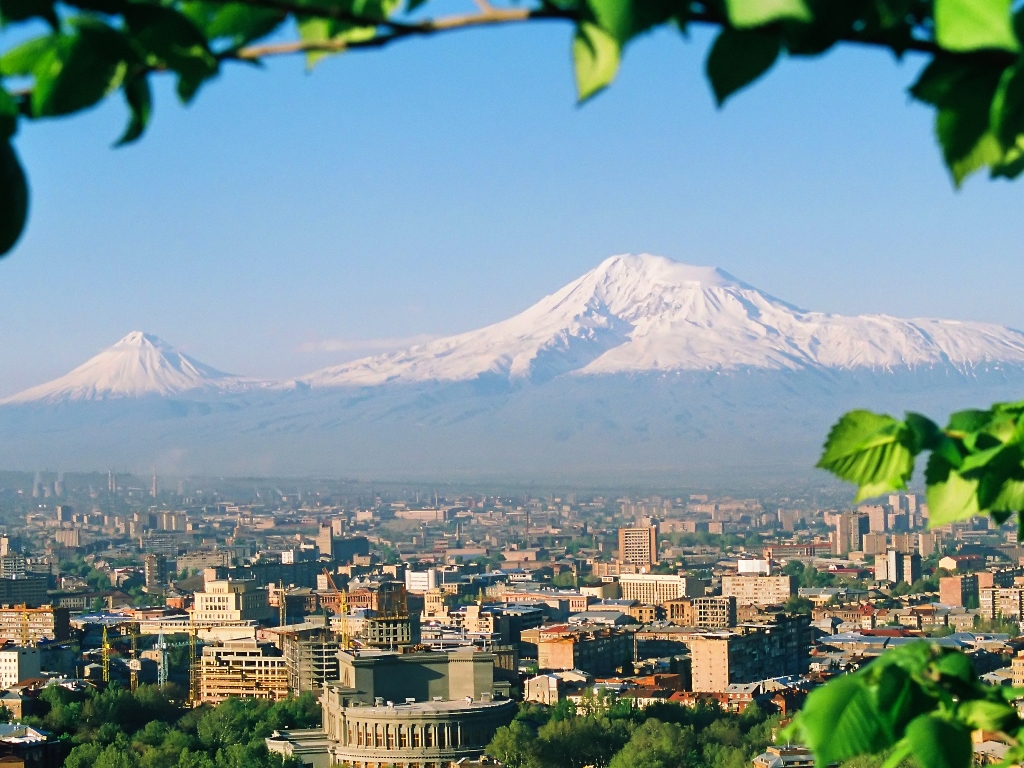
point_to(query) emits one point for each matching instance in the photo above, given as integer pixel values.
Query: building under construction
(311, 655)
(29, 626)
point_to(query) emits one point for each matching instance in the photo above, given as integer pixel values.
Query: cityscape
(414, 626)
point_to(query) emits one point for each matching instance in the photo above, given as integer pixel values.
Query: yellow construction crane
(193, 666)
(133, 663)
(106, 655)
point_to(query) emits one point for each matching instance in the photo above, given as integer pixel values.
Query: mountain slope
(138, 365)
(648, 313)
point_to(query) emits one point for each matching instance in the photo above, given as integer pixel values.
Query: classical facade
(412, 734)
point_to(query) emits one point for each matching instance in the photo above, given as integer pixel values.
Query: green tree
(797, 604)
(514, 745)
(656, 745)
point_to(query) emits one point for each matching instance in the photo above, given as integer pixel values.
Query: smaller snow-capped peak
(138, 365)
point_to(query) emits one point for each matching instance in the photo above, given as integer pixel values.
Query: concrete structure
(874, 543)
(639, 546)
(423, 676)
(29, 590)
(546, 689)
(656, 589)
(17, 664)
(421, 582)
(29, 626)
(242, 668)
(231, 601)
(750, 653)
(959, 591)
(155, 569)
(410, 733)
(711, 612)
(759, 590)
(310, 654)
(996, 602)
(597, 650)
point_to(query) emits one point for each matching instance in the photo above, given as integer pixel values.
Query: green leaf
(938, 743)
(987, 715)
(956, 665)
(963, 88)
(738, 58)
(839, 721)
(22, 10)
(625, 19)
(1008, 107)
(140, 102)
(876, 452)
(170, 38)
(13, 198)
(21, 60)
(78, 70)
(951, 496)
(744, 14)
(596, 55)
(972, 25)
(8, 115)
(241, 23)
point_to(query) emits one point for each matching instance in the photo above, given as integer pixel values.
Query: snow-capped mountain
(648, 313)
(642, 369)
(138, 365)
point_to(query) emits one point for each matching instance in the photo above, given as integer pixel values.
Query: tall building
(911, 567)
(927, 543)
(155, 570)
(874, 543)
(639, 546)
(959, 591)
(64, 513)
(878, 520)
(842, 534)
(1006, 603)
(749, 654)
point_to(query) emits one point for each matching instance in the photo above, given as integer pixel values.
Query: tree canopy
(92, 49)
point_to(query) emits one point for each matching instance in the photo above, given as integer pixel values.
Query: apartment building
(1007, 603)
(17, 664)
(759, 590)
(595, 650)
(639, 546)
(749, 653)
(28, 626)
(959, 591)
(656, 589)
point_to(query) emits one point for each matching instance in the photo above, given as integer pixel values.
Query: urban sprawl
(422, 626)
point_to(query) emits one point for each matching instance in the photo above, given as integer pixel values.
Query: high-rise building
(64, 513)
(155, 568)
(996, 602)
(842, 534)
(927, 543)
(911, 567)
(639, 546)
(878, 518)
(894, 566)
(959, 591)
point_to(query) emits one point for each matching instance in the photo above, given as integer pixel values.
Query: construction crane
(106, 655)
(134, 665)
(193, 666)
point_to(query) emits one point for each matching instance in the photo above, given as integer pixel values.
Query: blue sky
(287, 220)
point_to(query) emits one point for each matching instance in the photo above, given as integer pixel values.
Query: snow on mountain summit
(139, 364)
(642, 313)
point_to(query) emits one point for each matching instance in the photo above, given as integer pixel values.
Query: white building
(420, 582)
(655, 589)
(231, 600)
(17, 664)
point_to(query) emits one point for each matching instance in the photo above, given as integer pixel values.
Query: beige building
(230, 600)
(759, 590)
(17, 664)
(242, 668)
(656, 589)
(639, 546)
(29, 626)
(1006, 603)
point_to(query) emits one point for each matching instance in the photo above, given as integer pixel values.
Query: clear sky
(287, 221)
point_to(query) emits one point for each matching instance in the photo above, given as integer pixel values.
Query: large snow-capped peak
(140, 364)
(641, 313)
